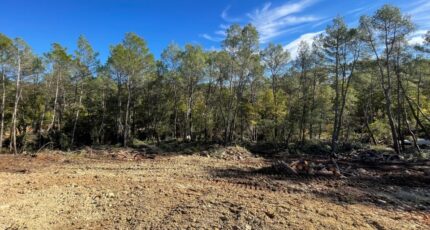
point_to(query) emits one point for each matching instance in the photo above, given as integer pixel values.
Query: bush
(381, 131)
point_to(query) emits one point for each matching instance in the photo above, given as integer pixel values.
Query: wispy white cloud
(356, 10)
(210, 38)
(226, 17)
(420, 13)
(352, 16)
(293, 46)
(322, 22)
(272, 22)
(417, 38)
(220, 33)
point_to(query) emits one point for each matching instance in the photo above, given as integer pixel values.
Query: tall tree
(130, 62)
(171, 59)
(192, 69)
(85, 64)
(382, 32)
(24, 66)
(242, 45)
(342, 50)
(6, 48)
(276, 60)
(61, 70)
(304, 65)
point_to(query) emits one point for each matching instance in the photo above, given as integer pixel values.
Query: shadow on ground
(383, 188)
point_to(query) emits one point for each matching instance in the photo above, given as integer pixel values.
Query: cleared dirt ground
(59, 191)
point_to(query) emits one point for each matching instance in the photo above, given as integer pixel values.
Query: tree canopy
(364, 84)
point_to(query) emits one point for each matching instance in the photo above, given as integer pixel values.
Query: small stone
(111, 195)
(270, 215)
(381, 201)
(361, 171)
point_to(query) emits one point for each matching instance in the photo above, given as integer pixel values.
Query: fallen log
(281, 166)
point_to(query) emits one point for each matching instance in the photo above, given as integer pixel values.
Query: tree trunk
(414, 138)
(57, 88)
(418, 98)
(311, 122)
(77, 115)
(386, 89)
(2, 108)
(120, 128)
(15, 108)
(391, 121)
(366, 117)
(275, 102)
(399, 101)
(127, 113)
(335, 134)
(100, 132)
(175, 118)
(188, 119)
(418, 121)
(45, 109)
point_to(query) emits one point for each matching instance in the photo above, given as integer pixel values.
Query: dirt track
(181, 192)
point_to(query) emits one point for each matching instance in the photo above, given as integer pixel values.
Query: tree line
(362, 84)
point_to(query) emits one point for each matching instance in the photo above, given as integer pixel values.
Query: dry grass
(58, 191)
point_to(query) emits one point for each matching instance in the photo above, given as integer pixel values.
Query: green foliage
(336, 90)
(381, 131)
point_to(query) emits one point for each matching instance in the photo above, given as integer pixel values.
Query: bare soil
(76, 191)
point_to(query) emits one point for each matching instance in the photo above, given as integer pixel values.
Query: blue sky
(104, 22)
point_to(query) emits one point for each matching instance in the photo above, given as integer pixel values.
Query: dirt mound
(126, 154)
(303, 167)
(228, 153)
(372, 156)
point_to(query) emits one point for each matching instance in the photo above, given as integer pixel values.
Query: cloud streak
(293, 46)
(417, 38)
(226, 17)
(272, 22)
(420, 13)
(210, 38)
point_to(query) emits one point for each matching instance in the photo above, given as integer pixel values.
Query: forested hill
(364, 84)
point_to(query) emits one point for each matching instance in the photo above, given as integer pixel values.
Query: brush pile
(305, 167)
(228, 153)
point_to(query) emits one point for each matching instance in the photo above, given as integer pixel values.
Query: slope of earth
(60, 191)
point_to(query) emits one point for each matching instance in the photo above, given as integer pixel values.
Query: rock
(270, 214)
(324, 171)
(362, 171)
(248, 227)
(111, 195)
(381, 201)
